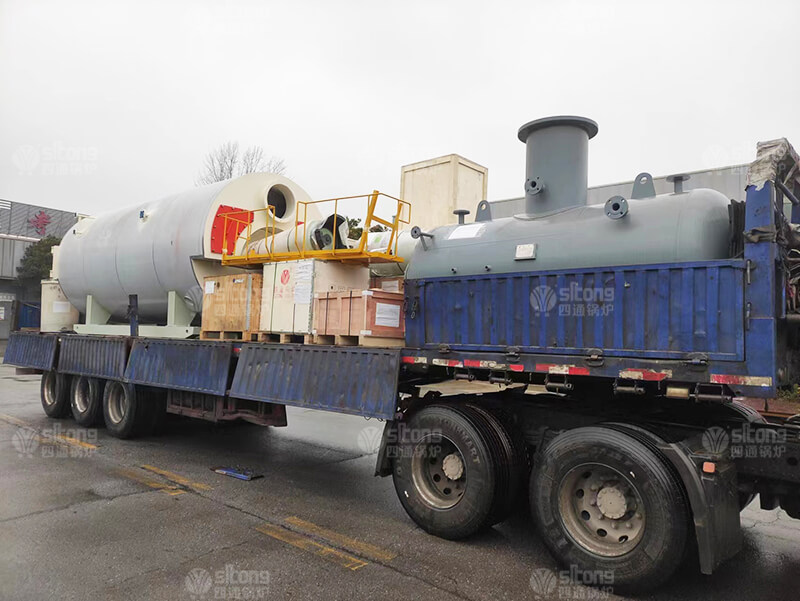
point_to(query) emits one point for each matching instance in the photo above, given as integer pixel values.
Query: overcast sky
(105, 104)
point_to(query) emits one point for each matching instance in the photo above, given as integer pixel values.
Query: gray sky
(106, 104)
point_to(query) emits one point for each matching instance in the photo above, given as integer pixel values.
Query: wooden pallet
(267, 337)
(243, 335)
(327, 340)
(275, 337)
(369, 341)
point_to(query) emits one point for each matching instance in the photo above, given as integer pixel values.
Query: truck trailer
(621, 337)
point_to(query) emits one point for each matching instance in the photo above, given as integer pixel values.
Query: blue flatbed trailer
(654, 370)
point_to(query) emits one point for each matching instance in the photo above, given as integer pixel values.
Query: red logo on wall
(39, 222)
(285, 276)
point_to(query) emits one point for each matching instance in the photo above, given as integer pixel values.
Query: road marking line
(14, 421)
(306, 544)
(352, 544)
(176, 478)
(73, 441)
(45, 437)
(143, 479)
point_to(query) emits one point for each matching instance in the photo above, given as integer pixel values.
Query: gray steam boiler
(558, 230)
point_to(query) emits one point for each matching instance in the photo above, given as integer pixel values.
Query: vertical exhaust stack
(556, 162)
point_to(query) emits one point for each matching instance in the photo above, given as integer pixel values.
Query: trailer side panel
(355, 380)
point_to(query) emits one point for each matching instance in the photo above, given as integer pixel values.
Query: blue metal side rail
(94, 356)
(355, 380)
(32, 350)
(669, 311)
(192, 365)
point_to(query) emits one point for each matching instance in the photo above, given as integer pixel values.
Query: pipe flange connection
(677, 181)
(534, 185)
(616, 207)
(589, 126)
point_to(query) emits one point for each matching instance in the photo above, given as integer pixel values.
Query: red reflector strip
(763, 381)
(484, 364)
(413, 360)
(448, 362)
(648, 375)
(566, 370)
(515, 367)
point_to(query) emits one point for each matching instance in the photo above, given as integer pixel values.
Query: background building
(20, 226)
(731, 181)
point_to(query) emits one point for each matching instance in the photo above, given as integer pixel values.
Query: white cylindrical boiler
(169, 244)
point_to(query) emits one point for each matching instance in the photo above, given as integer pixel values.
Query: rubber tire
(508, 461)
(155, 400)
(60, 386)
(134, 420)
(754, 417)
(665, 538)
(472, 512)
(94, 411)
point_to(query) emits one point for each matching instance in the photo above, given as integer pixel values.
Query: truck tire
(54, 391)
(608, 506)
(509, 464)
(156, 409)
(444, 473)
(753, 417)
(124, 411)
(86, 400)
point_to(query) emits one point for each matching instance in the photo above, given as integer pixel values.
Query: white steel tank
(168, 244)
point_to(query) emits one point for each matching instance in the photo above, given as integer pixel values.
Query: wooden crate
(365, 315)
(231, 306)
(289, 288)
(332, 314)
(387, 284)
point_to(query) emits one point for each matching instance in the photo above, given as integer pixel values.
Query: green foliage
(355, 229)
(37, 260)
(791, 393)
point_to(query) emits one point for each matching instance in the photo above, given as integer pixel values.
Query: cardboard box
(231, 303)
(287, 304)
(363, 313)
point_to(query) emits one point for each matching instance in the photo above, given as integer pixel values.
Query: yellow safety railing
(244, 242)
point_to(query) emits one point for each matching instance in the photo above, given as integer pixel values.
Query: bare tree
(225, 162)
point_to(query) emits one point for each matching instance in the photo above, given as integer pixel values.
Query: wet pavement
(86, 516)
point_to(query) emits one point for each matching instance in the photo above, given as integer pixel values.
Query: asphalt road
(86, 516)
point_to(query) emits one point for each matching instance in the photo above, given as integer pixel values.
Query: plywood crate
(231, 306)
(369, 315)
(287, 305)
(388, 284)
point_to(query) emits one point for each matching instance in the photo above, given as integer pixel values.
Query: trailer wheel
(444, 473)
(123, 410)
(156, 409)
(54, 391)
(607, 504)
(753, 417)
(86, 400)
(509, 460)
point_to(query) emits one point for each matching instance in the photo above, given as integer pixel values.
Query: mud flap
(714, 501)
(383, 466)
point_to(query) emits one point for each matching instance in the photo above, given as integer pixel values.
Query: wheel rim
(117, 404)
(602, 510)
(82, 395)
(50, 388)
(439, 472)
